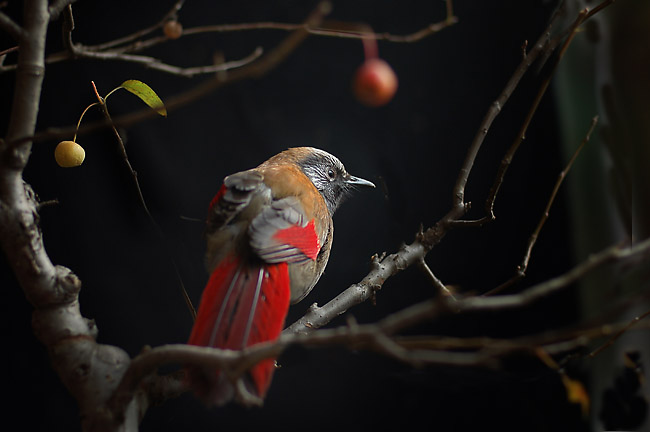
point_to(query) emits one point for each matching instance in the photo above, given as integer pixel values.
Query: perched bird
(269, 235)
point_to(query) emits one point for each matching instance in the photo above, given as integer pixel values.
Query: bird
(269, 234)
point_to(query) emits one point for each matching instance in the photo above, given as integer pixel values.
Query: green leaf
(147, 95)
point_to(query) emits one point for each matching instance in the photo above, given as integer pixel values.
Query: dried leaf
(576, 393)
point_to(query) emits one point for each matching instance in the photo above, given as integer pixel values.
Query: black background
(412, 148)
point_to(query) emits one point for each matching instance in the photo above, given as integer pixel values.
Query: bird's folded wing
(282, 233)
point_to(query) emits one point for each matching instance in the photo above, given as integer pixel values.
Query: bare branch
(619, 333)
(11, 27)
(150, 62)
(507, 160)
(382, 269)
(141, 33)
(354, 31)
(442, 289)
(121, 49)
(615, 253)
(495, 109)
(554, 342)
(416, 351)
(521, 268)
(154, 63)
(57, 6)
(3, 53)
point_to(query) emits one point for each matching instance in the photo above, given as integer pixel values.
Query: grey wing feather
(280, 215)
(240, 188)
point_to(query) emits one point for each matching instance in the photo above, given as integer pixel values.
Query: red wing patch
(304, 239)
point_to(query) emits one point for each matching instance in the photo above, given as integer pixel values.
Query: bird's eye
(331, 174)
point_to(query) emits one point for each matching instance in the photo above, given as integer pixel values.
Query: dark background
(412, 148)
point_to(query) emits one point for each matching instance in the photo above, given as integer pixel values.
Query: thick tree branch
(52, 290)
(419, 351)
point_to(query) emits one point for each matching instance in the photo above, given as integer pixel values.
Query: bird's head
(330, 177)
(326, 172)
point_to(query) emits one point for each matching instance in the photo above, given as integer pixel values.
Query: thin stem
(370, 49)
(134, 175)
(74, 138)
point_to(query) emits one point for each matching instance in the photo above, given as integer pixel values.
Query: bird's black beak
(356, 181)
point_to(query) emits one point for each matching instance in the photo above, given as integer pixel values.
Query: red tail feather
(242, 304)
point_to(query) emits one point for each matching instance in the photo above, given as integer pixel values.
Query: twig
(358, 32)
(48, 203)
(434, 280)
(150, 62)
(449, 20)
(493, 112)
(154, 63)
(7, 51)
(117, 50)
(521, 268)
(325, 31)
(552, 342)
(507, 159)
(140, 33)
(614, 253)
(618, 334)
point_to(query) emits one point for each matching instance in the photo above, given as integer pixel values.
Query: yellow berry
(173, 29)
(69, 154)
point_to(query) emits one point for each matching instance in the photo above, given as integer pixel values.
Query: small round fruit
(69, 154)
(173, 29)
(375, 83)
